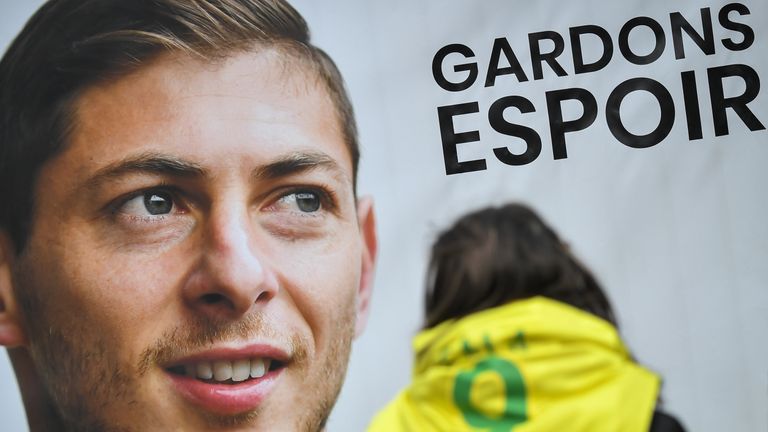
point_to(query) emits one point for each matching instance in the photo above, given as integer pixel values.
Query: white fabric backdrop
(676, 232)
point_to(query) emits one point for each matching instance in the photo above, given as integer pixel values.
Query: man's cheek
(115, 295)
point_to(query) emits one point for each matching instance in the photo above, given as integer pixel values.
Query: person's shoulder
(663, 422)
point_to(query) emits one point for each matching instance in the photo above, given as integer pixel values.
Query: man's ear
(367, 223)
(11, 330)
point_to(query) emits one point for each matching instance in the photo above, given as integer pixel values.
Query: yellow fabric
(528, 366)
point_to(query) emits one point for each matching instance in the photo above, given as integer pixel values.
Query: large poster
(637, 129)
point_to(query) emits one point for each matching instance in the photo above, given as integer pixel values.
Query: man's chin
(237, 421)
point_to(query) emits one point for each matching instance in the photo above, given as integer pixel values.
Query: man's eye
(150, 203)
(305, 201)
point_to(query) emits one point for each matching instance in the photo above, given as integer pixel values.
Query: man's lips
(228, 381)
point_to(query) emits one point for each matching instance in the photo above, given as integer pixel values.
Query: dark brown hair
(70, 45)
(497, 255)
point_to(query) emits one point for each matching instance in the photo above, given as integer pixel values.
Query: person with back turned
(519, 337)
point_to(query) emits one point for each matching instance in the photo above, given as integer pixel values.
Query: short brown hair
(70, 45)
(500, 254)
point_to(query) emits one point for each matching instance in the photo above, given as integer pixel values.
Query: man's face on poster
(198, 258)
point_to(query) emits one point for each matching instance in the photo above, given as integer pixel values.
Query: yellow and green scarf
(530, 365)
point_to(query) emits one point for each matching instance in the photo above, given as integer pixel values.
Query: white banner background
(676, 233)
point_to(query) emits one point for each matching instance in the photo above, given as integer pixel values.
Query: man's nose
(232, 276)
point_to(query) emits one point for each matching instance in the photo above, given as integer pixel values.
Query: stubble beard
(85, 381)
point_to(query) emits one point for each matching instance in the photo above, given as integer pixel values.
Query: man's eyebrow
(295, 163)
(147, 163)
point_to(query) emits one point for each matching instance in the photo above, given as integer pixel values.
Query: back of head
(71, 45)
(497, 255)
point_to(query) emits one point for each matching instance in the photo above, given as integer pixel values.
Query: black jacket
(662, 422)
